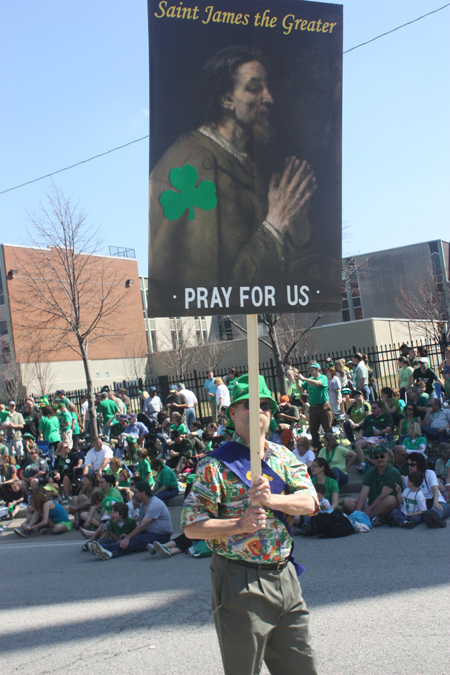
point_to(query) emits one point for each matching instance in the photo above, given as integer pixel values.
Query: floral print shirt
(218, 493)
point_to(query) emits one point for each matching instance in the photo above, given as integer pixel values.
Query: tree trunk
(279, 366)
(91, 400)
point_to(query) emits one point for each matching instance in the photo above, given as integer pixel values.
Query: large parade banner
(245, 157)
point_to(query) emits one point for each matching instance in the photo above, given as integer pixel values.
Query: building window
(225, 328)
(200, 330)
(107, 376)
(351, 296)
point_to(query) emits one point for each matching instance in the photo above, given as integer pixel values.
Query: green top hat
(240, 393)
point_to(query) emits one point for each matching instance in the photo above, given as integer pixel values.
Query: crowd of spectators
(116, 488)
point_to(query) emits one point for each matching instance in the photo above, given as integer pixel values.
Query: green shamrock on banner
(184, 180)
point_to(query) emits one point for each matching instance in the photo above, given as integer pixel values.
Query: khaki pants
(319, 415)
(260, 616)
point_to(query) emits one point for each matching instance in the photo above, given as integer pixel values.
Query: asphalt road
(378, 602)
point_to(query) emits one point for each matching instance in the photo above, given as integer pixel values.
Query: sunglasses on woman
(378, 456)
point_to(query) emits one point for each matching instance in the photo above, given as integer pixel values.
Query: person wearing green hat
(252, 545)
(378, 493)
(320, 412)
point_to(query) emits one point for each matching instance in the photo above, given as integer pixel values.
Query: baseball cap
(423, 360)
(173, 387)
(12, 403)
(123, 417)
(314, 364)
(152, 389)
(357, 391)
(380, 449)
(143, 486)
(132, 416)
(284, 399)
(346, 391)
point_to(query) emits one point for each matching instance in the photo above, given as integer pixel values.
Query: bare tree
(11, 385)
(285, 334)
(426, 305)
(38, 372)
(68, 292)
(212, 353)
(179, 350)
(136, 364)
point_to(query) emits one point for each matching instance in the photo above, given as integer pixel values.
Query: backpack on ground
(332, 525)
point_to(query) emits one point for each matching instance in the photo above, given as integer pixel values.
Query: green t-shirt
(65, 420)
(330, 486)
(376, 481)
(4, 415)
(124, 483)
(335, 457)
(403, 375)
(317, 395)
(413, 445)
(76, 429)
(50, 429)
(4, 449)
(356, 414)
(371, 422)
(127, 526)
(395, 405)
(403, 425)
(181, 428)
(111, 498)
(143, 469)
(108, 409)
(166, 478)
(116, 430)
(110, 472)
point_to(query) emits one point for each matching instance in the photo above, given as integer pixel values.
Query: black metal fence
(383, 359)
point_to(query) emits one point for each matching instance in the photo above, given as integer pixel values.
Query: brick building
(25, 329)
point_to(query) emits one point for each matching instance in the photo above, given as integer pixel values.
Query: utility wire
(398, 28)
(137, 140)
(102, 154)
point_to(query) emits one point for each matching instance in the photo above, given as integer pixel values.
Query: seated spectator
(437, 508)
(374, 427)
(8, 472)
(445, 375)
(321, 474)
(135, 428)
(114, 468)
(199, 446)
(33, 472)
(14, 497)
(428, 376)
(443, 462)
(378, 493)
(180, 452)
(422, 387)
(93, 516)
(287, 413)
(303, 451)
(355, 414)
(97, 458)
(144, 471)
(400, 460)
(436, 423)
(48, 516)
(338, 457)
(166, 482)
(131, 448)
(177, 424)
(347, 399)
(405, 376)
(414, 441)
(119, 524)
(196, 430)
(67, 467)
(419, 399)
(178, 545)
(107, 485)
(124, 484)
(412, 502)
(155, 524)
(82, 500)
(411, 415)
(390, 404)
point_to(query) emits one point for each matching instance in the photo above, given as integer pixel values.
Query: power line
(398, 28)
(102, 154)
(137, 140)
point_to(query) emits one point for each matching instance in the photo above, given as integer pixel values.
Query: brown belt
(278, 566)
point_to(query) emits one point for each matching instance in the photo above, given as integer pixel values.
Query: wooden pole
(253, 384)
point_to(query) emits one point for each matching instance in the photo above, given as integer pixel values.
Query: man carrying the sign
(259, 611)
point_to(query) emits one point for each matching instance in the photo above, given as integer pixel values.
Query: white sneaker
(160, 548)
(151, 549)
(361, 467)
(98, 550)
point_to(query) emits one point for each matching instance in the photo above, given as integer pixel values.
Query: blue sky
(74, 82)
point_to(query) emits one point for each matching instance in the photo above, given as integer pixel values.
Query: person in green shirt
(378, 493)
(322, 474)
(107, 409)
(320, 412)
(378, 424)
(177, 424)
(355, 415)
(166, 482)
(107, 486)
(180, 452)
(405, 376)
(338, 457)
(49, 429)
(144, 470)
(391, 404)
